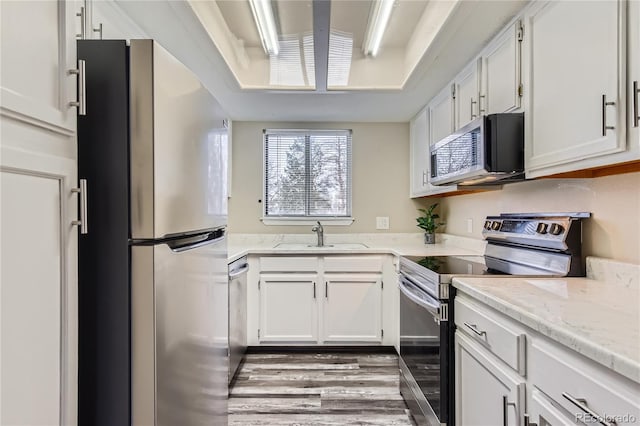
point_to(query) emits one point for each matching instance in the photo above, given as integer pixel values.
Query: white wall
(380, 177)
(614, 201)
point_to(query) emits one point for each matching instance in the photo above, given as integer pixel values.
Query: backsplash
(613, 231)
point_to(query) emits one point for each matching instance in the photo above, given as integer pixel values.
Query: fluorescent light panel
(263, 15)
(377, 25)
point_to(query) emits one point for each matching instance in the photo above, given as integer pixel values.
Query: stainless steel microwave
(489, 150)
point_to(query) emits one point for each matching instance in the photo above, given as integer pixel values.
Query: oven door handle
(433, 308)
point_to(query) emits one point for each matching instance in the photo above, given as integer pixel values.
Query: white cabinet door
(501, 73)
(288, 308)
(576, 75)
(419, 139)
(420, 160)
(440, 110)
(38, 49)
(352, 308)
(467, 89)
(633, 97)
(486, 389)
(39, 289)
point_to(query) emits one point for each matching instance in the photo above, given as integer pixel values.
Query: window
(307, 174)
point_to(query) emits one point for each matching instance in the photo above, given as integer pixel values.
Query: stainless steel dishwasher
(237, 313)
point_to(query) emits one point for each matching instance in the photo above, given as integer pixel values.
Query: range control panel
(557, 231)
(526, 227)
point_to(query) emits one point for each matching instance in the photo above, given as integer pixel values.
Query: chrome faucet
(320, 231)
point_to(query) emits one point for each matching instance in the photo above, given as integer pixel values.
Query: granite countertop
(599, 318)
(396, 244)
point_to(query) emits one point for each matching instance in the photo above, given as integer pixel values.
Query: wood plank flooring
(318, 389)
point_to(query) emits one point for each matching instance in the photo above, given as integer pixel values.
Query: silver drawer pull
(582, 405)
(474, 328)
(472, 104)
(98, 30)
(83, 23)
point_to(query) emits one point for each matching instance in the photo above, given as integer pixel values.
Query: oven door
(424, 354)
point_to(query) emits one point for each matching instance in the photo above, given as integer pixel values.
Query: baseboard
(322, 349)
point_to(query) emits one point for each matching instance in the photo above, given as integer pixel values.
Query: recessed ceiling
(411, 27)
(218, 40)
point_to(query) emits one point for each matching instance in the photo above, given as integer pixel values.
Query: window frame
(308, 220)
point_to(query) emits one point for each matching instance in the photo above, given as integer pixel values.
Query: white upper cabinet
(576, 75)
(501, 76)
(440, 112)
(420, 161)
(419, 139)
(38, 49)
(467, 92)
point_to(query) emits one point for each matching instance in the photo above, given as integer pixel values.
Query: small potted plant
(428, 222)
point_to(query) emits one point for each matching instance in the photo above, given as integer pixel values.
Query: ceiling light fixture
(378, 20)
(263, 15)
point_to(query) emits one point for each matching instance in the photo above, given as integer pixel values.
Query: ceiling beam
(321, 26)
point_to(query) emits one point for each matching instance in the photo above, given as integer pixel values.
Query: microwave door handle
(431, 307)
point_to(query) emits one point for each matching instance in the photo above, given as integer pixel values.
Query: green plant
(428, 220)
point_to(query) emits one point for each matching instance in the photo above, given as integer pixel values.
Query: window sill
(333, 221)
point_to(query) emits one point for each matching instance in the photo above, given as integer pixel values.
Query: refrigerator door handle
(195, 241)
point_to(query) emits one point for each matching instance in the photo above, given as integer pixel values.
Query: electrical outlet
(470, 225)
(382, 222)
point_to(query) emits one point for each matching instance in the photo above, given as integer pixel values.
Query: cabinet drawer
(585, 390)
(496, 333)
(353, 264)
(288, 264)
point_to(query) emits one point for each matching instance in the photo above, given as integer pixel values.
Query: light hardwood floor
(318, 389)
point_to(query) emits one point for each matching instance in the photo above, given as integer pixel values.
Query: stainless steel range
(531, 244)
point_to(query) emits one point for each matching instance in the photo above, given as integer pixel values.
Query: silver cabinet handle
(424, 178)
(473, 328)
(82, 223)
(81, 103)
(98, 30)
(326, 290)
(480, 109)
(605, 104)
(636, 112)
(314, 289)
(582, 405)
(83, 24)
(472, 104)
(505, 409)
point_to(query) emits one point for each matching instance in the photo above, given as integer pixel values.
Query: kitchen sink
(302, 246)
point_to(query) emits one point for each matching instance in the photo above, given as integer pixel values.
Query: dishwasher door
(237, 313)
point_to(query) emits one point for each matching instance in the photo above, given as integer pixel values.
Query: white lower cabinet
(487, 392)
(352, 308)
(561, 386)
(336, 299)
(288, 308)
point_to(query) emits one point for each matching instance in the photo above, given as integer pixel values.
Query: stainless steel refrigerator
(153, 285)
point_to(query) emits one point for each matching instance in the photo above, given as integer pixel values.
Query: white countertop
(599, 319)
(396, 244)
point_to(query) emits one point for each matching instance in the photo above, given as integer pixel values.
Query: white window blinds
(307, 173)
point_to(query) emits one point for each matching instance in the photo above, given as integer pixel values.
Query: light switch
(382, 222)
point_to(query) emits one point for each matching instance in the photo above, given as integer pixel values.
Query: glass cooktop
(455, 265)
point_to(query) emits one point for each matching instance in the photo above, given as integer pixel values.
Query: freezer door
(178, 147)
(179, 334)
